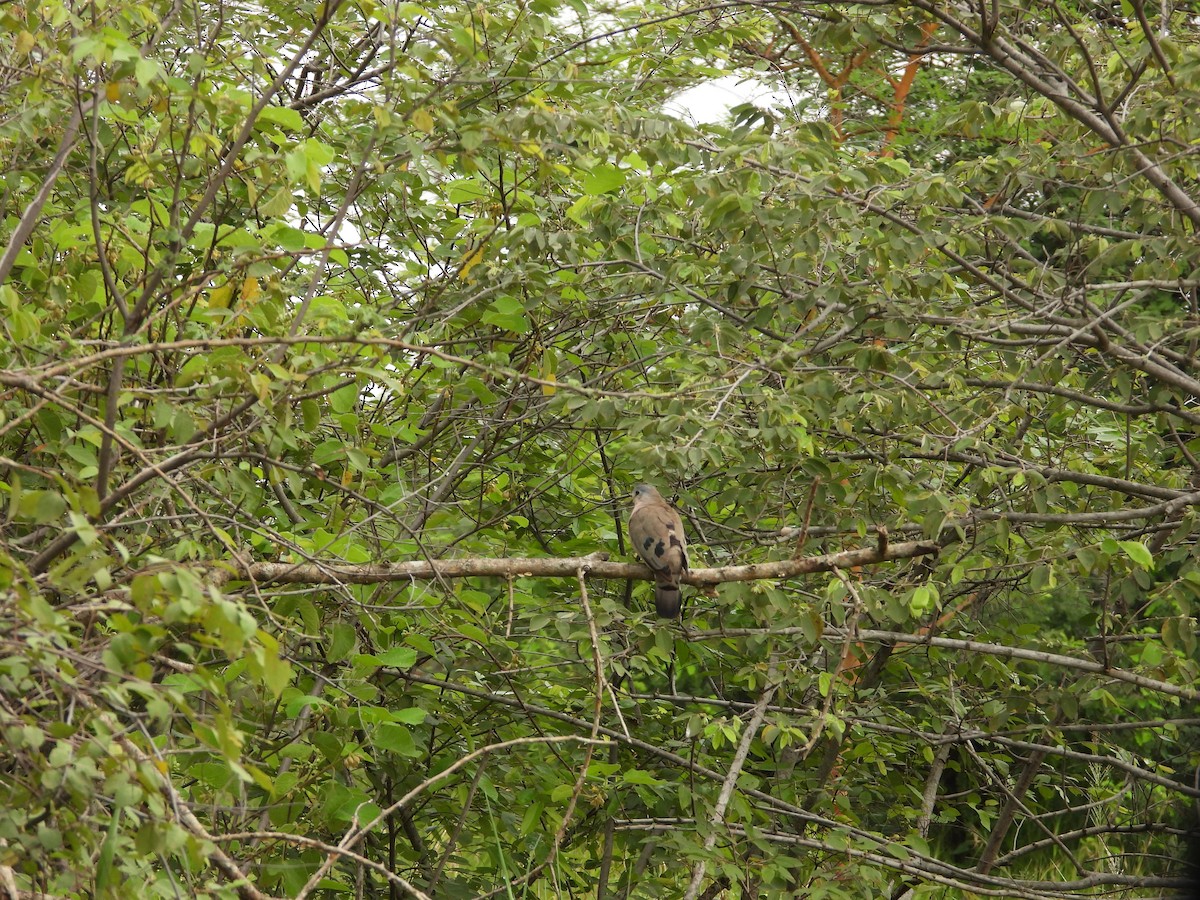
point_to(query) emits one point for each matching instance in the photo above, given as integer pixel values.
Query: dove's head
(644, 493)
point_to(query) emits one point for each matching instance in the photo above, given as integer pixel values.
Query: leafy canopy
(352, 284)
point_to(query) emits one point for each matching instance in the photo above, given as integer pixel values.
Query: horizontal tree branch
(955, 737)
(935, 871)
(1001, 650)
(1089, 831)
(1091, 758)
(596, 565)
(1013, 463)
(959, 737)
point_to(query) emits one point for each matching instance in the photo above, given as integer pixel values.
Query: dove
(656, 531)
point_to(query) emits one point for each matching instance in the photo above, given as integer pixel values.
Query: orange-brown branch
(902, 88)
(834, 82)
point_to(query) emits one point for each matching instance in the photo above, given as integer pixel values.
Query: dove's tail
(667, 599)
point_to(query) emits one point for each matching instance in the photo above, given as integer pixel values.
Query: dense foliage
(353, 287)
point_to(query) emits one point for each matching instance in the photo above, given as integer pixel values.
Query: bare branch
(735, 769)
(596, 566)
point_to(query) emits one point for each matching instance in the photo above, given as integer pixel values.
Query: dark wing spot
(659, 549)
(647, 542)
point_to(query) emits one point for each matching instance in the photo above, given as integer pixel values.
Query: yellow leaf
(422, 120)
(219, 298)
(278, 203)
(112, 91)
(25, 42)
(250, 289)
(470, 261)
(261, 385)
(549, 371)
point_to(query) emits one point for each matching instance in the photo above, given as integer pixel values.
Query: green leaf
(282, 116)
(145, 70)
(398, 657)
(603, 179)
(507, 313)
(342, 638)
(105, 882)
(41, 507)
(466, 191)
(1138, 552)
(395, 739)
(638, 776)
(344, 399)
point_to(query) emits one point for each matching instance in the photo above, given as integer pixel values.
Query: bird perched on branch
(656, 531)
